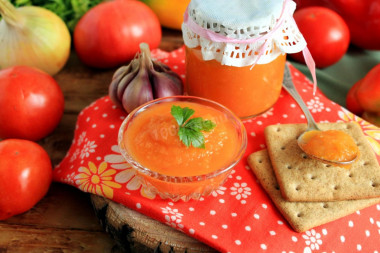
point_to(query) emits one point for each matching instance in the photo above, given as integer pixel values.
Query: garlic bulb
(142, 81)
(33, 36)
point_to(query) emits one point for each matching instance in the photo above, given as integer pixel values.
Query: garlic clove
(113, 87)
(112, 90)
(160, 67)
(127, 78)
(138, 92)
(142, 81)
(121, 71)
(165, 85)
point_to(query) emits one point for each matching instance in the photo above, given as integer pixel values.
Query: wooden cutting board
(135, 232)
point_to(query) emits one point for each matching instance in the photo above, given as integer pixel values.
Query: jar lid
(240, 32)
(238, 18)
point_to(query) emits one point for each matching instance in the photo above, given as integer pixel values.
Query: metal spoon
(311, 125)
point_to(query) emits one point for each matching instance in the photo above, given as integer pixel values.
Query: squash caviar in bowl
(182, 147)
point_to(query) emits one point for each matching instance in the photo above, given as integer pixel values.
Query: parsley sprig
(190, 129)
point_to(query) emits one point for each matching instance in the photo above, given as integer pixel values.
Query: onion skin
(33, 36)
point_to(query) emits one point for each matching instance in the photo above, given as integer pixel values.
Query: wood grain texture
(134, 232)
(20, 238)
(63, 221)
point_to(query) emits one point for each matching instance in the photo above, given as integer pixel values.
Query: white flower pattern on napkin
(81, 138)
(126, 174)
(89, 147)
(219, 191)
(312, 240)
(172, 217)
(241, 191)
(315, 105)
(75, 155)
(267, 113)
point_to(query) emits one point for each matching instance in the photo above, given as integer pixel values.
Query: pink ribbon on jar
(216, 37)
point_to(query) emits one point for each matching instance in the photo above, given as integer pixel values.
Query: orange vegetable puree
(152, 140)
(333, 145)
(245, 91)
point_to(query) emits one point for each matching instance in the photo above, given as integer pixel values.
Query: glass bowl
(180, 186)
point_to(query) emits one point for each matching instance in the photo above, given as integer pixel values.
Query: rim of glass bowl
(184, 179)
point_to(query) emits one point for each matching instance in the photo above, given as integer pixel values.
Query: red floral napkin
(239, 216)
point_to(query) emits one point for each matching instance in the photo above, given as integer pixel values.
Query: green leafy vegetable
(69, 10)
(190, 129)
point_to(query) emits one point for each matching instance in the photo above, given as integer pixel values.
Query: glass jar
(247, 92)
(236, 51)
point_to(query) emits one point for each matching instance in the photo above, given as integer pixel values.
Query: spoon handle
(291, 89)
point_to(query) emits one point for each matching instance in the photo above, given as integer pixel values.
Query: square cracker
(304, 179)
(301, 216)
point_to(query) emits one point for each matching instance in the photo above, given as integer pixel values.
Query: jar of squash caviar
(236, 51)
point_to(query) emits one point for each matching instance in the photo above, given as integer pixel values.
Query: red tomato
(352, 103)
(326, 34)
(109, 34)
(25, 176)
(363, 19)
(31, 103)
(361, 16)
(368, 93)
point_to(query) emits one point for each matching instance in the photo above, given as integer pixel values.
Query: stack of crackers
(308, 192)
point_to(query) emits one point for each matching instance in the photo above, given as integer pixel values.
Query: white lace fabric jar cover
(240, 32)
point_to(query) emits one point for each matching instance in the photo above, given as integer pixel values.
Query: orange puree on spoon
(330, 145)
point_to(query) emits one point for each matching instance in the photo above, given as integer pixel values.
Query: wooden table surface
(64, 220)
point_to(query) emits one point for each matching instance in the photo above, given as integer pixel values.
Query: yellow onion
(33, 36)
